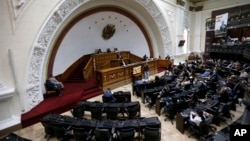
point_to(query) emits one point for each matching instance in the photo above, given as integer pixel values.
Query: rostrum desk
(117, 76)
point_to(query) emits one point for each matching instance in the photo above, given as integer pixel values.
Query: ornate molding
(40, 48)
(16, 9)
(186, 19)
(161, 23)
(41, 45)
(171, 16)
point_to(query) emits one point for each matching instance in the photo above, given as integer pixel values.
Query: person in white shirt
(243, 75)
(185, 81)
(198, 117)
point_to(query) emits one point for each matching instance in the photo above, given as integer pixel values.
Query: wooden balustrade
(164, 63)
(88, 70)
(65, 75)
(107, 68)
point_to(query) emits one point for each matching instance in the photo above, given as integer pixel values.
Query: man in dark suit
(52, 86)
(109, 95)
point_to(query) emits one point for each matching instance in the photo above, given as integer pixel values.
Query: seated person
(184, 73)
(230, 82)
(213, 77)
(206, 73)
(180, 66)
(224, 96)
(109, 95)
(53, 80)
(243, 75)
(52, 86)
(201, 91)
(157, 81)
(167, 57)
(185, 81)
(185, 84)
(145, 58)
(199, 116)
(99, 51)
(171, 101)
(108, 50)
(165, 91)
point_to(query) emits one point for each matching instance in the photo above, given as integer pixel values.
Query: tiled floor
(168, 132)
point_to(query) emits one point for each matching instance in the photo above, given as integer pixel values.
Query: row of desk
(88, 104)
(123, 107)
(68, 121)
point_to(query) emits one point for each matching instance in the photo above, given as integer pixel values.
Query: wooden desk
(122, 75)
(180, 121)
(163, 63)
(157, 106)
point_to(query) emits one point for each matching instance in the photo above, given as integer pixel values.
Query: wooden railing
(66, 74)
(95, 62)
(164, 63)
(88, 70)
(106, 65)
(134, 58)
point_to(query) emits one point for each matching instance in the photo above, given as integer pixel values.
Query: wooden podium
(136, 77)
(122, 75)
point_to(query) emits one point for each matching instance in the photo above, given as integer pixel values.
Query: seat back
(101, 134)
(78, 111)
(112, 112)
(81, 134)
(122, 96)
(133, 111)
(126, 134)
(106, 99)
(151, 134)
(60, 130)
(172, 110)
(201, 93)
(96, 112)
(204, 127)
(48, 128)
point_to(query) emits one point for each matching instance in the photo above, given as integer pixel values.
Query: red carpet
(71, 95)
(161, 69)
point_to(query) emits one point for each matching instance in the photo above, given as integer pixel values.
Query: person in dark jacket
(108, 94)
(51, 86)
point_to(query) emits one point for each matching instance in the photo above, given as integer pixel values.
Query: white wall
(86, 36)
